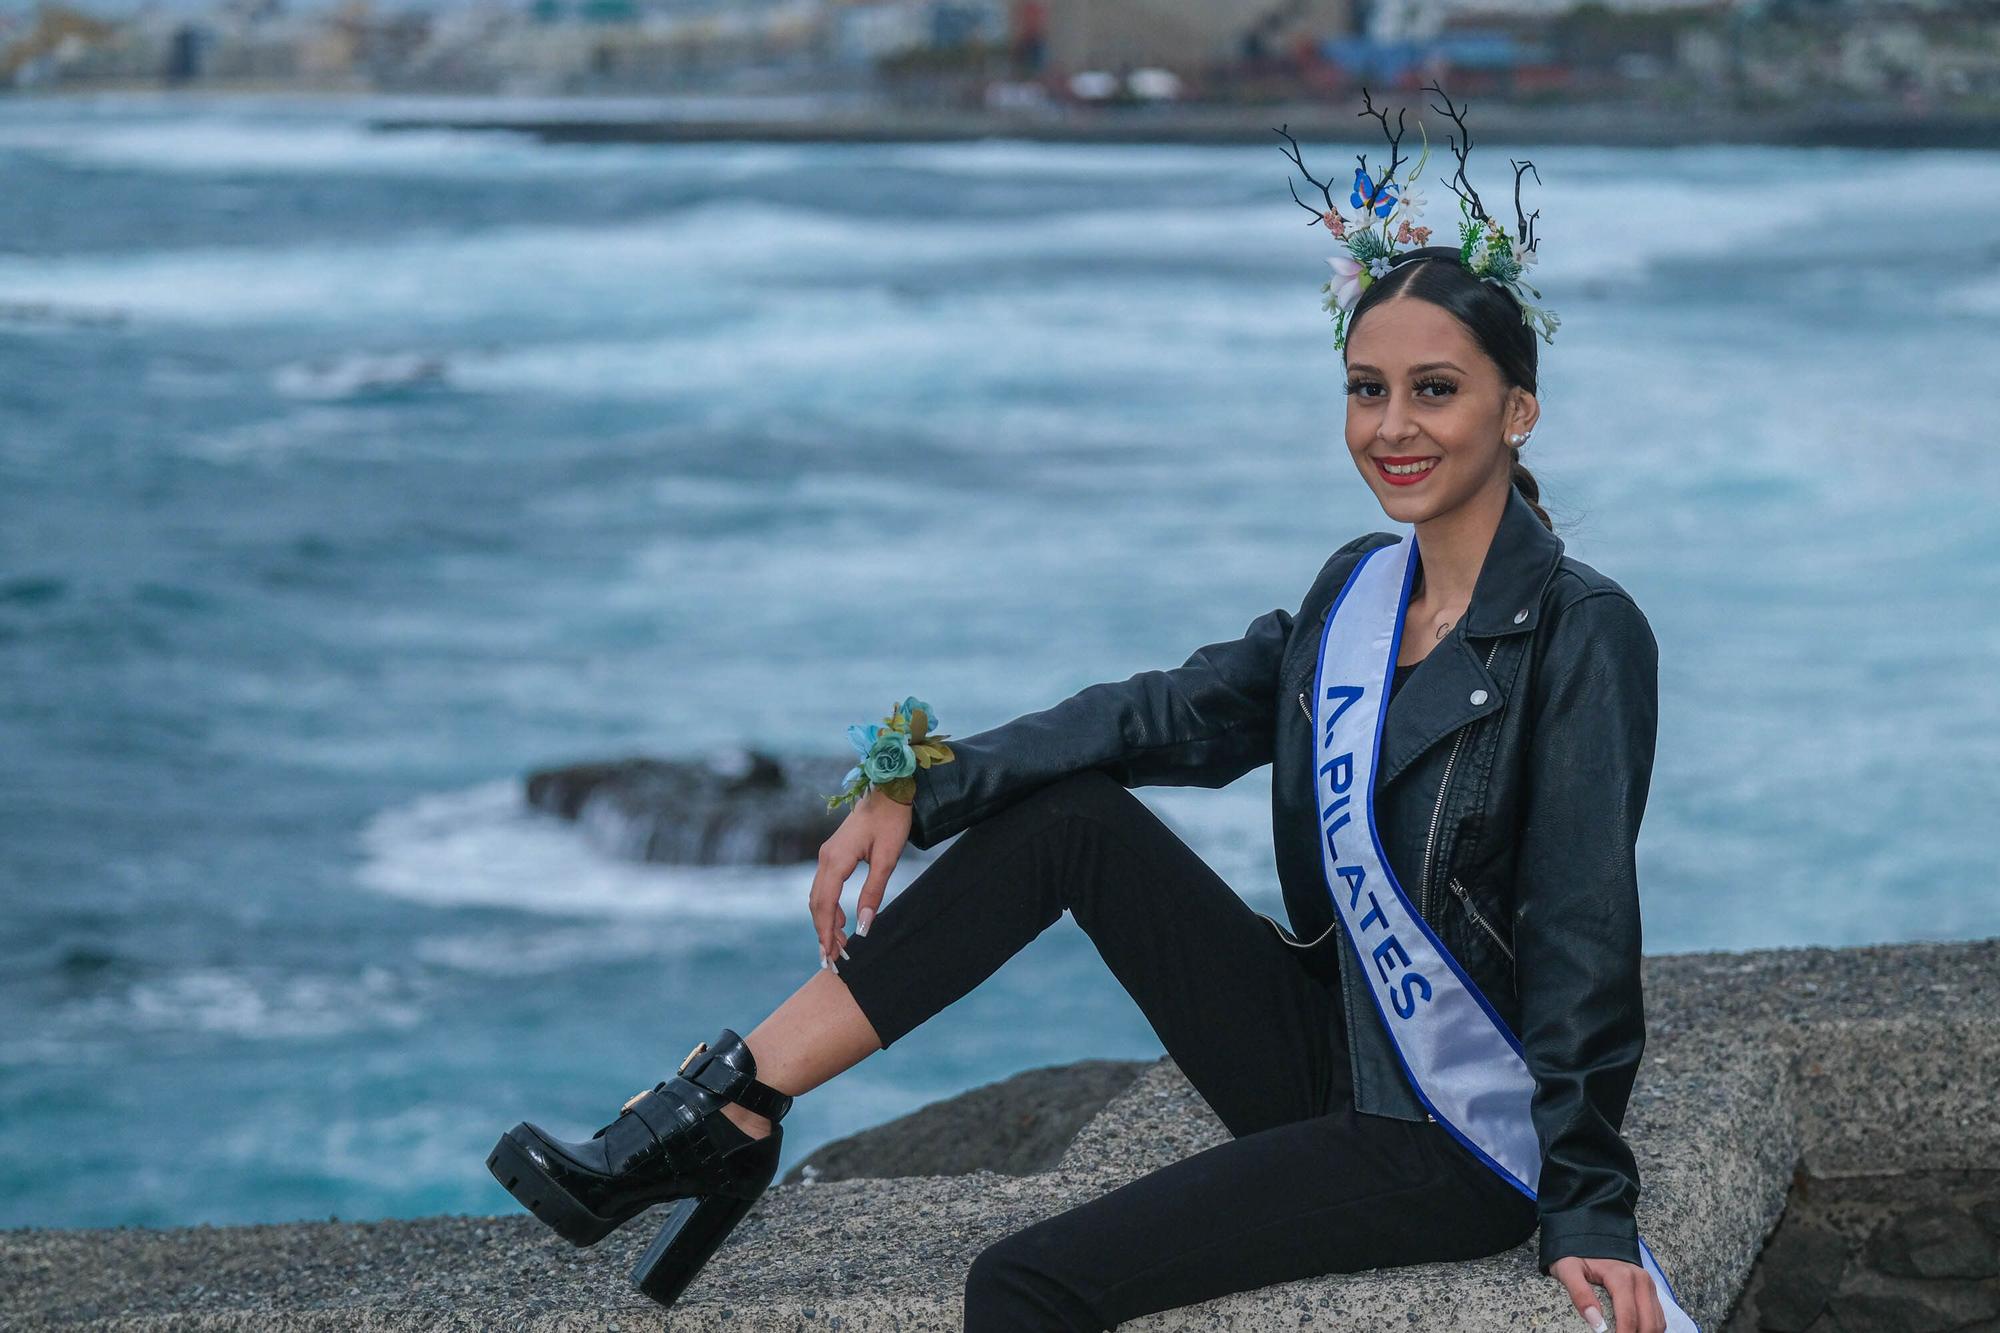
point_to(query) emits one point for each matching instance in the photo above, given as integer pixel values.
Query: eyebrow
(1428, 365)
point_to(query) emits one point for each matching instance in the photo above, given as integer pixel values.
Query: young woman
(1514, 762)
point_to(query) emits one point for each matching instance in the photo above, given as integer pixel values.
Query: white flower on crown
(1544, 322)
(1409, 204)
(1524, 256)
(1476, 255)
(1378, 266)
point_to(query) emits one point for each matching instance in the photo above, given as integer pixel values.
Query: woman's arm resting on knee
(1204, 723)
(1576, 922)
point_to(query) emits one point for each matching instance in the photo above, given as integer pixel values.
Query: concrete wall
(1840, 1061)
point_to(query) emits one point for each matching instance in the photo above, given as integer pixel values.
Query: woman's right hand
(874, 831)
(1635, 1303)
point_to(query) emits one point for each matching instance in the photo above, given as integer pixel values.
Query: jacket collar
(1452, 686)
(1518, 564)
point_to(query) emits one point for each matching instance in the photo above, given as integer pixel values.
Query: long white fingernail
(843, 951)
(822, 960)
(1594, 1317)
(867, 917)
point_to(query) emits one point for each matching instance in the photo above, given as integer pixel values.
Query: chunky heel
(698, 1225)
(694, 1230)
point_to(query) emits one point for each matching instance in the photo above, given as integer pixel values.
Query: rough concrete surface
(1017, 1125)
(1840, 1061)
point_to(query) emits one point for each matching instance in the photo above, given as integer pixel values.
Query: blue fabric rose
(891, 751)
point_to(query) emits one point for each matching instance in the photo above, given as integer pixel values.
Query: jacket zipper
(1483, 923)
(1437, 811)
(1284, 934)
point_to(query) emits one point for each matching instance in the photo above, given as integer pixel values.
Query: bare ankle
(756, 1126)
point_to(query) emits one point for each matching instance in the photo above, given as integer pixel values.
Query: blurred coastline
(586, 119)
(1612, 125)
(1846, 73)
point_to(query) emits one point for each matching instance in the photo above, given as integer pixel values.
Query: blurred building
(52, 43)
(866, 33)
(1027, 54)
(1180, 35)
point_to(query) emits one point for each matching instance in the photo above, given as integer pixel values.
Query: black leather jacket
(1513, 775)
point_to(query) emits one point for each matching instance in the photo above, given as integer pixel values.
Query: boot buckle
(699, 1047)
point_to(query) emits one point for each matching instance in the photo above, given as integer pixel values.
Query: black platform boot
(671, 1142)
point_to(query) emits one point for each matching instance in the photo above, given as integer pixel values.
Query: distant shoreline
(1609, 126)
(712, 117)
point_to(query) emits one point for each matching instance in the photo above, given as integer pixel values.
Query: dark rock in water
(79, 316)
(89, 962)
(737, 807)
(1017, 1126)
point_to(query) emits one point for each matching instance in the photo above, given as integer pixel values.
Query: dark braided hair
(1489, 312)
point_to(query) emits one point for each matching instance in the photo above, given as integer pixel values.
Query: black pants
(1306, 1186)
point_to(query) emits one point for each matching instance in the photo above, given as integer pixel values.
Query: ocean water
(346, 477)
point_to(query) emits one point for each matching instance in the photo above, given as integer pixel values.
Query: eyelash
(1429, 382)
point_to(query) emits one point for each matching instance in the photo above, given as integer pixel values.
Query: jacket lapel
(1452, 686)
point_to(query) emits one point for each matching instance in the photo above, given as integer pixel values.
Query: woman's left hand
(1633, 1300)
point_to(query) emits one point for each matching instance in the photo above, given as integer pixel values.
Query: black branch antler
(1381, 187)
(1470, 195)
(1526, 223)
(1299, 161)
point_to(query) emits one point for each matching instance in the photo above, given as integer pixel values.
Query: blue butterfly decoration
(1364, 189)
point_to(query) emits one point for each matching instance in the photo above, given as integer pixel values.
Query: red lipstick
(1382, 466)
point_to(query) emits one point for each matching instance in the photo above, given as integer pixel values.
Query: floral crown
(1380, 230)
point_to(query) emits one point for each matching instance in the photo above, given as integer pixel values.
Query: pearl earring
(1518, 440)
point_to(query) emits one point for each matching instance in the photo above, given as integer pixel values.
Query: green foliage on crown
(1484, 248)
(1369, 244)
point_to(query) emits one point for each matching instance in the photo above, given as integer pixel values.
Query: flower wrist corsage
(892, 751)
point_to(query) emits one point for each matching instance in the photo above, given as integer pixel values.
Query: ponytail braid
(1530, 489)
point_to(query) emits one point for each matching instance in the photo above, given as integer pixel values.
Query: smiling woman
(1434, 434)
(1476, 406)
(1441, 374)
(1506, 1028)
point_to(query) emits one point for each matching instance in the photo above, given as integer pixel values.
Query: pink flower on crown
(1335, 223)
(1346, 283)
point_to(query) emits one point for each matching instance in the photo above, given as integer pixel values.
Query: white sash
(1464, 1063)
